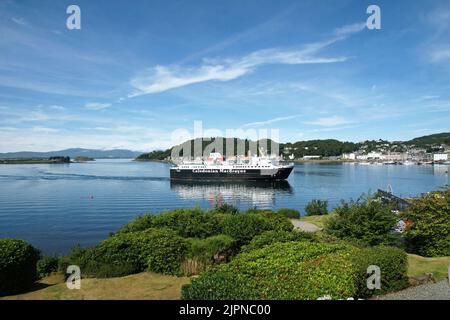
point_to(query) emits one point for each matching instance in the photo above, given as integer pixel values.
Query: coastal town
(382, 152)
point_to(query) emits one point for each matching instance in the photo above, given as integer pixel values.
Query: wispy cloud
(20, 21)
(267, 122)
(440, 54)
(329, 121)
(97, 105)
(163, 78)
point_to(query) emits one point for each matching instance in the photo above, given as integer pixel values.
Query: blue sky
(138, 70)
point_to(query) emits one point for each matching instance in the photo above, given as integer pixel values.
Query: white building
(375, 156)
(349, 156)
(440, 157)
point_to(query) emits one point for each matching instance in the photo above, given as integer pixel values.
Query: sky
(141, 74)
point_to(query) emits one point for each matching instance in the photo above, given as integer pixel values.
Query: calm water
(57, 206)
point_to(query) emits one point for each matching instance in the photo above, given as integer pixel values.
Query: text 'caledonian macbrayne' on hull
(236, 168)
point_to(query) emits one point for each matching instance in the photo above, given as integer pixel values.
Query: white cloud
(163, 78)
(267, 122)
(20, 21)
(439, 55)
(44, 129)
(97, 105)
(329, 121)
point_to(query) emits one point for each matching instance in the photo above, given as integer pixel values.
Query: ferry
(217, 168)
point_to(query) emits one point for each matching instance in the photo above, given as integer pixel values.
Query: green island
(224, 253)
(49, 160)
(83, 159)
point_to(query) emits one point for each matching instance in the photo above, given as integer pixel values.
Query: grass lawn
(420, 265)
(141, 286)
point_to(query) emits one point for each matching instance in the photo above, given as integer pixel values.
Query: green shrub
(205, 252)
(219, 285)
(163, 250)
(47, 265)
(316, 207)
(189, 223)
(17, 265)
(158, 250)
(289, 213)
(141, 223)
(225, 208)
(393, 264)
(206, 249)
(243, 227)
(272, 236)
(300, 270)
(429, 232)
(292, 270)
(277, 221)
(366, 222)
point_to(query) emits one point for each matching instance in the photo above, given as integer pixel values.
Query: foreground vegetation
(254, 254)
(141, 286)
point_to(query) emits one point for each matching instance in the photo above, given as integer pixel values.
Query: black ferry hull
(230, 175)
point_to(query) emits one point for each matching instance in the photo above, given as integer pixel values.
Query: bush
(277, 221)
(300, 270)
(225, 208)
(205, 252)
(289, 213)
(140, 223)
(47, 265)
(317, 207)
(294, 270)
(189, 223)
(243, 227)
(17, 265)
(219, 285)
(393, 264)
(163, 250)
(158, 250)
(366, 222)
(269, 237)
(429, 232)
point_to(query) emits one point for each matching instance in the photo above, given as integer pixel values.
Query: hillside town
(411, 154)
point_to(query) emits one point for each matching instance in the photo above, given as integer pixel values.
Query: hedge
(393, 263)
(17, 265)
(292, 271)
(300, 270)
(272, 236)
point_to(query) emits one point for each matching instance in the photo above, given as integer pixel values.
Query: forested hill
(325, 148)
(427, 141)
(209, 146)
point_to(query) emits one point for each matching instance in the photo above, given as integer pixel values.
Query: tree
(428, 224)
(365, 222)
(316, 207)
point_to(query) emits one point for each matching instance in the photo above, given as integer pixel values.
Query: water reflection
(252, 193)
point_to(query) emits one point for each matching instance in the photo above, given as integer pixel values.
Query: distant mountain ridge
(72, 153)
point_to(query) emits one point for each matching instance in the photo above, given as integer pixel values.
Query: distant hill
(430, 140)
(326, 148)
(164, 154)
(72, 153)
